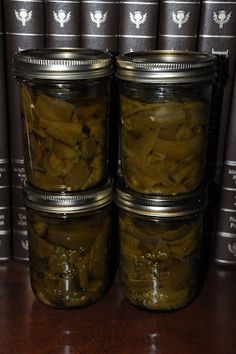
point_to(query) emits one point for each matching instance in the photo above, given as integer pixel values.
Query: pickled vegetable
(159, 261)
(69, 258)
(163, 145)
(65, 138)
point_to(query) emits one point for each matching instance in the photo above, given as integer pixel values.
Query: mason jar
(164, 109)
(160, 248)
(70, 245)
(64, 102)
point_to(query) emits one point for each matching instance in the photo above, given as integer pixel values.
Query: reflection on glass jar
(64, 106)
(164, 110)
(69, 247)
(160, 250)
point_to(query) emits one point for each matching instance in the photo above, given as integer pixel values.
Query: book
(217, 33)
(225, 240)
(24, 28)
(178, 24)
(138, 21)
(99, 30)
(62, 23)
(99, 25)
(5, 223)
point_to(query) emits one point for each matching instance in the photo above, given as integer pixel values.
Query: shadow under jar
(160, 248)
(164, 109)
(70, 245)
(64, 98)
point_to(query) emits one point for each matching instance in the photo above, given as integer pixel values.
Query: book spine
(99, 25)
(178, 24)
(217, 33)
(62, 21)
(5, 223)
(138, 22)
(225, 241)
(24, 28)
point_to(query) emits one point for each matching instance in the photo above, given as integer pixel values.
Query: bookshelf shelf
(112, 325)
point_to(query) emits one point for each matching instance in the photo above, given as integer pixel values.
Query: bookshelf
(39, 23)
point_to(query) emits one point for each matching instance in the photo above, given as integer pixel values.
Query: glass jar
(164, 111)
(64, 100)
(160, 248)
(70, 241)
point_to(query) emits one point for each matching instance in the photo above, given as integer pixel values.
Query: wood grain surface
(112, 325)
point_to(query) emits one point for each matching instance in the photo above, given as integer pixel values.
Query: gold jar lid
(64, 202)
(166, 66)
(62, 64)
(161, 206)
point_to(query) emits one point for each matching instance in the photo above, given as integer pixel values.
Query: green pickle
(65, 138)
(69, 258)
(163, 144)
(159, 260)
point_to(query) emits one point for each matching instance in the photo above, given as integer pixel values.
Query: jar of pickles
(64, 102)
(160, 248)
(164, 109)
(70, 245)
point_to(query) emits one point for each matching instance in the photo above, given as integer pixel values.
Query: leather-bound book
(24, 27)
(178, 24)
(62, 19)
(217, 34)
(5, 225)
(99, 25)
(138, 21)
(225, 241)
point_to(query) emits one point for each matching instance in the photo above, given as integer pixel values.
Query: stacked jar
(64, 101)
(164, 111)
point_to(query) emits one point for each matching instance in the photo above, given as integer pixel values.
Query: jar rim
(62, 64)
(166, 66)
(64, 202)
(161, 206)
